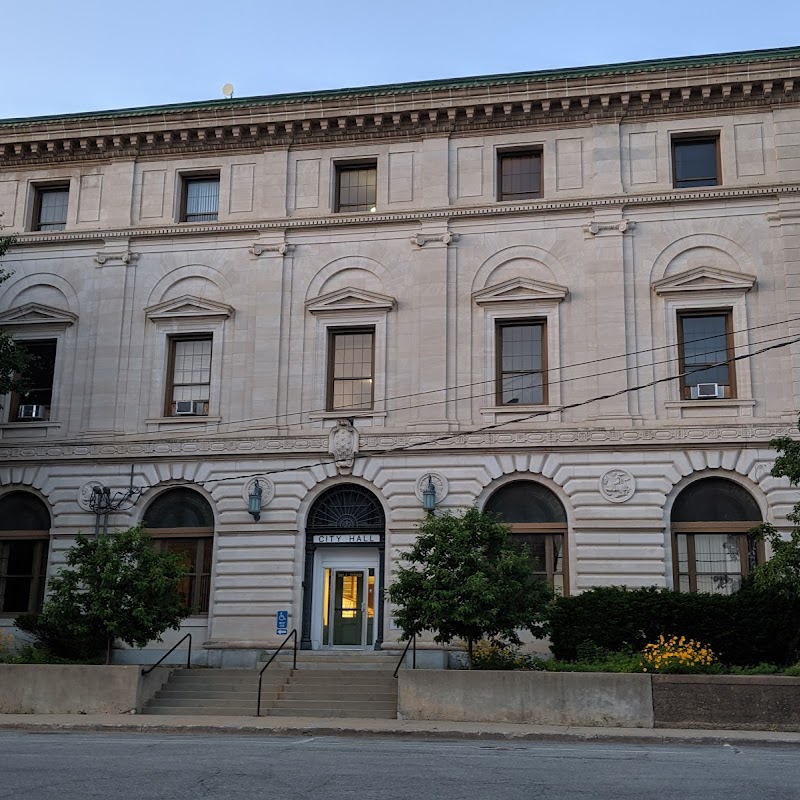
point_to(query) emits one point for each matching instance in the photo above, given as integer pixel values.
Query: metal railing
(174, 647)
(272, 658)
(412, 643)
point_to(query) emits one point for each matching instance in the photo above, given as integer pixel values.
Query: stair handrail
(272, 658)
(412, 642)
(188, 657)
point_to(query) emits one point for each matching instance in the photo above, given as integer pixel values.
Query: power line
(492, 381)
(490, 426)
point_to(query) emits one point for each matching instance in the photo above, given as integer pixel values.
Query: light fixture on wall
(429, 496)
(254, 501)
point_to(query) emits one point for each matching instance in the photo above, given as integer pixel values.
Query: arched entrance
(344, 571)
(711, 550)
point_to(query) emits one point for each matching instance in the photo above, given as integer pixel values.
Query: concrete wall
(76, 689)
(727, 701)
(540, 698)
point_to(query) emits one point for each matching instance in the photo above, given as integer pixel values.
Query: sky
(60, 57)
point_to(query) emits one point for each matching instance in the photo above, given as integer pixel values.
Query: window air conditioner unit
(29, 411)
(189, 408)
(707, 391)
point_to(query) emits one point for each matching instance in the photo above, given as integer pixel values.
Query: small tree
(16, 363)
(781, 573)
(466, 580)
(115, 587)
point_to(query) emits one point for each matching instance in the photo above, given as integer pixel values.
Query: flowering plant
(676, 654)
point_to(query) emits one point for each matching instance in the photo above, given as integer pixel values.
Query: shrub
(494, 654)
(746, 628)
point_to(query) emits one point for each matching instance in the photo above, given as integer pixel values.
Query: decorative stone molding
(520, 290)
(343, 445)
(257, 249)
(37, 314)
(598, 228)
(267, 489)
(705, 279)
(439, 482)
(126, 257)
(188, 307)
(699, 435)
(85, 494)
(350, 299)
(421, 239)
(617, 485)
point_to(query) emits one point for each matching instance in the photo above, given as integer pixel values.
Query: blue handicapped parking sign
(282, 623)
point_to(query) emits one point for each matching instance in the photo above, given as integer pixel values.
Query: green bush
(746, 628)
(76, 640)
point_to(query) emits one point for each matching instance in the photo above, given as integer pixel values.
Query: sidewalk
(383, 728)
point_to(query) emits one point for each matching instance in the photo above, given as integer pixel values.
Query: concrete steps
(323, 685)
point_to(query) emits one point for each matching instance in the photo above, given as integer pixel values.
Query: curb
(715, 738)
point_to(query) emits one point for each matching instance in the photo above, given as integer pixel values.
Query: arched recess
(344, 573)
(537, 519)
(711, 550)
(733, 255)
(348, 264)
(539, 259)
(218, 284)
(24, 546)
(181, 520)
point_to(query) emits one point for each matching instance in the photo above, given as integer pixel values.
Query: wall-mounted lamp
(429, 496)
(254, 501)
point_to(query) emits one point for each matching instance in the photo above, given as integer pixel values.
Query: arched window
(711, 549)
(181, 521)
(346, 507)
(537, 519)
(24, 543)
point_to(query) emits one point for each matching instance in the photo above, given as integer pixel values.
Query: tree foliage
(114, 587)
(15, 361)
(466, 580)
(781, 573)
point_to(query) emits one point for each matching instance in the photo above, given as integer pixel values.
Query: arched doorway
(537, 518)
(181, 521)
(344, 570)
(24, 545)
(711, 550)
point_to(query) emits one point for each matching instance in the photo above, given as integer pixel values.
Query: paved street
(72, 766)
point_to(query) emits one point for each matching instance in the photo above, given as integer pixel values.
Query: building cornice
(730, 83)
(449, 214)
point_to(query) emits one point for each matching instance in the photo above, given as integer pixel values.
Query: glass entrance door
(349, 612)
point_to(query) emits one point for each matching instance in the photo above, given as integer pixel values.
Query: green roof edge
(654, 65)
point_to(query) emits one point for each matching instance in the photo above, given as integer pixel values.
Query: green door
(348, 607)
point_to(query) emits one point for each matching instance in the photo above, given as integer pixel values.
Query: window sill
(542, 413)
(731, 407)
(188, 419)
(344, 414)
(45, 423)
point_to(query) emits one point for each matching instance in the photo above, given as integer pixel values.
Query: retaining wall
(77, 688)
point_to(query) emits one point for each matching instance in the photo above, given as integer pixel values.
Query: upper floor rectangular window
(34, 403)
(356, 187)
(520, 175)
(705, 348)
(50, 207)
(351, 369)
(200, 198)
(695, 162)
(521, 367)
(189, 370)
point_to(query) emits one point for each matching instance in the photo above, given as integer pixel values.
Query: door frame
(344, 559)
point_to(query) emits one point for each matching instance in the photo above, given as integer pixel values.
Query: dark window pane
(695, 162)
(202, 199)
(20, 511)
(352, 365)
(526, 501)
(52, 209)
(705, 344)
(179, 508)
(40, 377)
(357, 188)
(715, 500)
(520, 176)
(521, 364)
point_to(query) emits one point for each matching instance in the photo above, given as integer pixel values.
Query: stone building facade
(572, 297)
